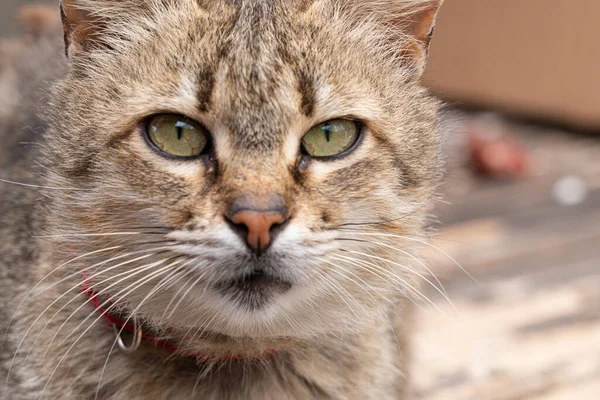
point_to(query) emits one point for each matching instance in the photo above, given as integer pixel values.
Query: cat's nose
(258, 228)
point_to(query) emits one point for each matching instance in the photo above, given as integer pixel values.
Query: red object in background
(497, 157)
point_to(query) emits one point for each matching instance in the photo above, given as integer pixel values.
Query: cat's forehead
(254, 70)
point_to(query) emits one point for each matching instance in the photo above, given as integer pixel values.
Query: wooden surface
(530, 327)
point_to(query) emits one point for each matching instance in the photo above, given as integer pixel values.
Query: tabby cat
(232, 193)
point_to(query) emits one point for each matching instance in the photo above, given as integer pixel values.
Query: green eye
(177, 136)
(331, 138)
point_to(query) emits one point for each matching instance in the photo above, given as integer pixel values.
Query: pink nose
(259, 226)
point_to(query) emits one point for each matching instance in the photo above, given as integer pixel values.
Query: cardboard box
(535, 58)
(9, 10)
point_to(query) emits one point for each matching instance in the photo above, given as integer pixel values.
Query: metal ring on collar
(137, 337)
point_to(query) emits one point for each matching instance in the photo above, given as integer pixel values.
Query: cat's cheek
(320, 204)
(197, 213)
(321, 213)
(183, 218)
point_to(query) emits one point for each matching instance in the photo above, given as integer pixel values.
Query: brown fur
(257, 75)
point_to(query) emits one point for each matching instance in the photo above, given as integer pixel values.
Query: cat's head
(252, 168)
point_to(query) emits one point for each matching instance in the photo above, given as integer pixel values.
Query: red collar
(113, 320)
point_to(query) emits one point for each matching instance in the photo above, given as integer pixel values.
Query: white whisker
(163, 282)
(181, 288)
(41, 187)
(342, 293)
(186, 293)
(129, 273)
(157, 250)
(46, 277)
(71, 235)
(421, 263)
(137, 285)
(57, 300)
(421, 242)
(396, 278)
(408, 269)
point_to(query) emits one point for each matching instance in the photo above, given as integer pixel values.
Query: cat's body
(148, 231)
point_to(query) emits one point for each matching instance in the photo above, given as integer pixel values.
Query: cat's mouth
(254, 290)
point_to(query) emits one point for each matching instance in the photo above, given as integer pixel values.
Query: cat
(232, 195)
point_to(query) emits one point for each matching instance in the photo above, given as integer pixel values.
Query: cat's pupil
(327, 131)
(179, 127)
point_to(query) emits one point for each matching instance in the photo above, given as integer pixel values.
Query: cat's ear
(417, 21)
(411, 23)
(81, 28)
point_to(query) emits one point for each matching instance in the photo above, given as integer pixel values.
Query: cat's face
(204, 200)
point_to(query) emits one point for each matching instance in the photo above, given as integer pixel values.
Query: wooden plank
(530, 328)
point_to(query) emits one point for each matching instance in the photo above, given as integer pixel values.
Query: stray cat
(233, 192)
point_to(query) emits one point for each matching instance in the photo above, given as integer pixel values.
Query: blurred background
(521, 204)
(520, 210)
(9, 9)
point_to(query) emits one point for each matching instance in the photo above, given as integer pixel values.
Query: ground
(529, 328)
